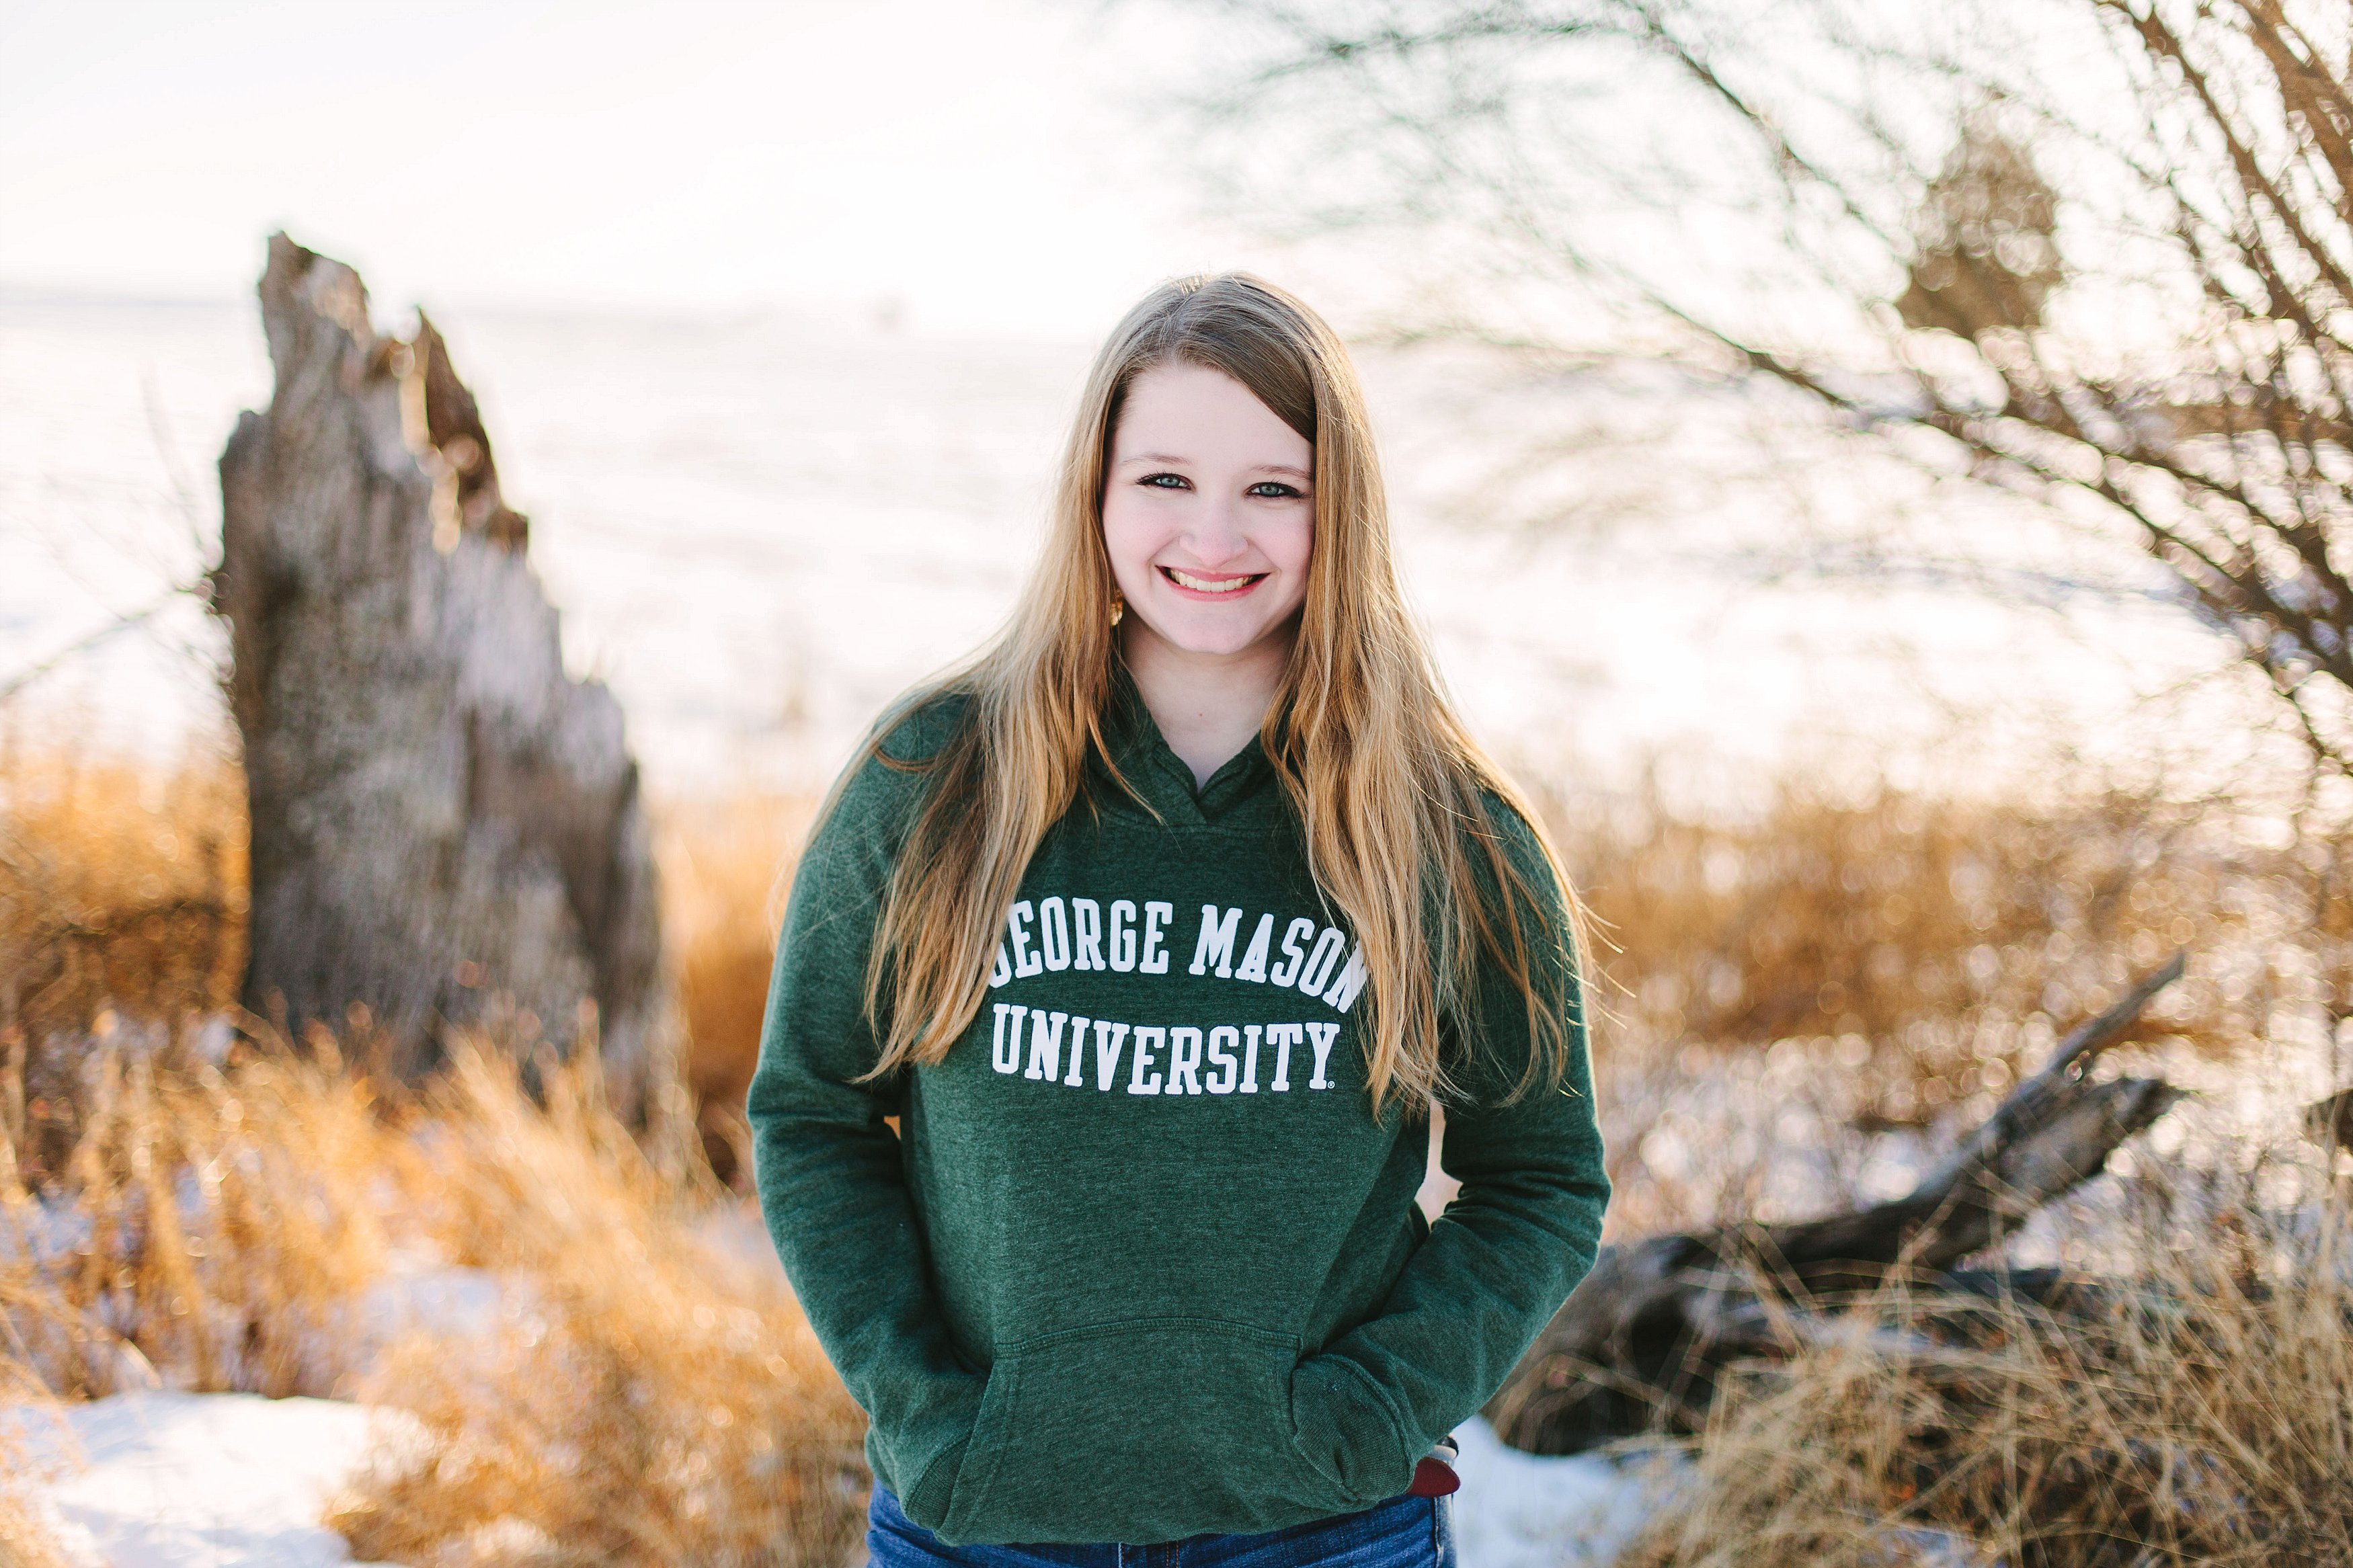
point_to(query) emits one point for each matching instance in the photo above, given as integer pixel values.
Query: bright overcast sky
(992, 164)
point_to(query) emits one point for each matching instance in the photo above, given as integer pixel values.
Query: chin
(1214, 639)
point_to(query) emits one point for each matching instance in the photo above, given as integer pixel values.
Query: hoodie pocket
(1141, 1431)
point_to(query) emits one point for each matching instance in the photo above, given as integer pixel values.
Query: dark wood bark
(446, 827)
(2329, 1122)
(1638, 1346)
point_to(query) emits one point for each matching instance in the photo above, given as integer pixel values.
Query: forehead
(1203, 415)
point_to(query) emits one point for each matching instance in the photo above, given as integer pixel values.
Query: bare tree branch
(80, 645)
(2219, 152)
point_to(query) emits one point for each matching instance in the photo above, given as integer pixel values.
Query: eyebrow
(1173, 457)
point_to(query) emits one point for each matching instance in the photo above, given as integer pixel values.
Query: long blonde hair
(1390, 789)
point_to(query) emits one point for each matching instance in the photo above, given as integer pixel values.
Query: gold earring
(1118, 605)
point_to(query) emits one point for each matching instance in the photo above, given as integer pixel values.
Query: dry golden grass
(649, 1400)
(217, 1226)
(122, 892)
(1938, 939)
(1795, 1001)
(26, 1542)
(121, 886)
(25, 1538)
(646, 1393)
(724, 866)
(2203, 1414)
(122, 907)
(646, 1396)
(1944, 937)
(206, 1231)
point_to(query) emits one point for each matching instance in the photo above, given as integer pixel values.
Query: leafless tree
(2097, 251)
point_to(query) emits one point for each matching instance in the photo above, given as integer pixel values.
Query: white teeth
(1205, 585)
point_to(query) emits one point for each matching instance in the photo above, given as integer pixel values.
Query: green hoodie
(1140, 1263)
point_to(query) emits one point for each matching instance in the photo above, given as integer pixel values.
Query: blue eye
(1271, 489)
(1166, 481)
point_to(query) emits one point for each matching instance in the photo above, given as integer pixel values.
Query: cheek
(1289, 548)
(1128, 539)
(1292, 545)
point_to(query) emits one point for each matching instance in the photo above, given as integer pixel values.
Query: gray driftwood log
(1638, 1347)
(446, 827)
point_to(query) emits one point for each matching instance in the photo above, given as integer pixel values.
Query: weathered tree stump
(446, 827)
(1640, 1344)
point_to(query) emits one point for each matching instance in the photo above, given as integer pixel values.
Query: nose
(1217, 538)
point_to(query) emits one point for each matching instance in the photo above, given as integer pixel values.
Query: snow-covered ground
(235, 1480)
(195, 1480)
(1520, 1510)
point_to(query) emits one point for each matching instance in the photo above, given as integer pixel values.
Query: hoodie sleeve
(1506, 1252)
(832, 1187)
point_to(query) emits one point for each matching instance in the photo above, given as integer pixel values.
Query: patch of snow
(43, 1231)
(419, 1294)
(1942, 1549)
(416, 1297)
(736, 1231)
(1532, 1510)
(195, 1480)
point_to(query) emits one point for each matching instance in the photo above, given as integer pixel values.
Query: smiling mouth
(1199, 584)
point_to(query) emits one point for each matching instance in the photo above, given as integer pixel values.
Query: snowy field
(235, 1480)
(760, 528)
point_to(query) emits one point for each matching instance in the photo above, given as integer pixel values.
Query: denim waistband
(1406, 1531)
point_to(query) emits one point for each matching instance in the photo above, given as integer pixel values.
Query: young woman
(1156, 928)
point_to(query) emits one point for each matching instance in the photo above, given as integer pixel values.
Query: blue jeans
(1404, 1532)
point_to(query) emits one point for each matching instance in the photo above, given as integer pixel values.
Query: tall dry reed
(725, 865)
(649, 1398)
(1799, 1001)
(198, 1207)
(1942, 934)
(122, 910)
(210, 1215)
(647, 1390)
(2196, 1410)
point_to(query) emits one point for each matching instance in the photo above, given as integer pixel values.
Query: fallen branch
(1640, 1344)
